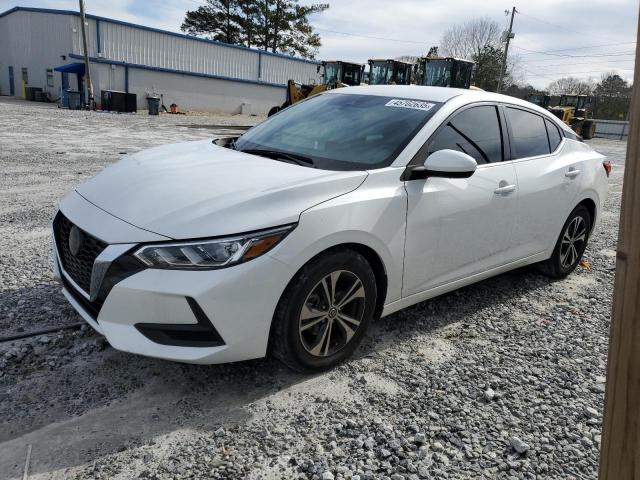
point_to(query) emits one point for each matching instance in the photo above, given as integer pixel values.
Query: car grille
(92, 308)
(79, 266)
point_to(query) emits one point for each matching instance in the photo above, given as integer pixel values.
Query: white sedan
(348, 206)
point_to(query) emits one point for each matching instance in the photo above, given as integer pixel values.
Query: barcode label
(415, 104)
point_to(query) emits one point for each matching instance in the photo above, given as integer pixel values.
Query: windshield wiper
(277, 154)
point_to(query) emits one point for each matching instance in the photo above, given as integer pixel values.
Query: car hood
(197, 189)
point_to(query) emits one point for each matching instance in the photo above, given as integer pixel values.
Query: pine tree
(272, 25)
(217, 19)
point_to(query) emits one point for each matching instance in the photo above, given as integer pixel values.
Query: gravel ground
(503, 379)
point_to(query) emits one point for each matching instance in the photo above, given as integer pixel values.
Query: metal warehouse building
(43, 48)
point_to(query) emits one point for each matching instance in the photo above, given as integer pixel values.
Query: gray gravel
(503, 379)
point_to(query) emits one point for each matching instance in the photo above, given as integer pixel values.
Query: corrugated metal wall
(280, 69)
(196, 74)
(125, 43)
(36, 42)
(617, 129)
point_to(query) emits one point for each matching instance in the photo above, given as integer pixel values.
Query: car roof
(438, 94)
(415, 92)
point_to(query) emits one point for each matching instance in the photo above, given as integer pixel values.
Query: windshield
(463, 75)
(403, 75)
(438, 73)
(569, 101)
(342, 131)
(352, 74)
(381, 73)
(332, 72)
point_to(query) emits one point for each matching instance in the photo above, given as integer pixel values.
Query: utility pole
(510, 35)
(620, 451)
(88, 84)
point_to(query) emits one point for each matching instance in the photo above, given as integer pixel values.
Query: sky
(553, 38)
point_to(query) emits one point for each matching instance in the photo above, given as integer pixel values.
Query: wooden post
(87, 73)
(620, 454)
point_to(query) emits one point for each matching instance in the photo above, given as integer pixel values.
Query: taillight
(607, 167)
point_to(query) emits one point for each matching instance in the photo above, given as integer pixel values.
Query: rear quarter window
(555, 137)
(529, 134)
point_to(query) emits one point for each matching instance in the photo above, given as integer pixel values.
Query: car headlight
(210, 254)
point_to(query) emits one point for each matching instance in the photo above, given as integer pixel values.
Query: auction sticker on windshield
(415, 104)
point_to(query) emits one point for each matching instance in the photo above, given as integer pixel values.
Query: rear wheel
(588, 129)
(576, 126)
(324, 312)
(570, 245)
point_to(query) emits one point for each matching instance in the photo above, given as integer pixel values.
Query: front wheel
(324, 312)
(570, 245)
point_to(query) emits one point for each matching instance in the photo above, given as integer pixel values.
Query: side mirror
(445, 163)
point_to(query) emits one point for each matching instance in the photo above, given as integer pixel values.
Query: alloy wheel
(573, 242)
(332, 313)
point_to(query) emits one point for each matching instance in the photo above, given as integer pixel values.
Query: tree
(479, 40)
(468, 40)
(291, 31)
(521, 90)
(218, 19)
(489, 68)
(272, 25)
(612, 85)
(570, 85)
(612, 97)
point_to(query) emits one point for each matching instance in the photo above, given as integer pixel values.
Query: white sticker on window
(415, 104)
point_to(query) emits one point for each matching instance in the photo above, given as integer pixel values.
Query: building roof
(152, 29)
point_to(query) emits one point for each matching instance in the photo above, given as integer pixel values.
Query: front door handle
(505, 190)
(572, 173)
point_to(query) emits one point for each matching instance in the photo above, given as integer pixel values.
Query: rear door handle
(505, 190)
(572, 173)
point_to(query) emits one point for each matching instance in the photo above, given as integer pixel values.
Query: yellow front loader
(335, 74)
(572, 110)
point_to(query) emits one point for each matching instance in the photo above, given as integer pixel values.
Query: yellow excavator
(444, 72)
(335, 74)
(389, 72)
(572, 110)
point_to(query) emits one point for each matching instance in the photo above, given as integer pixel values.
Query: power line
(592, 72)
(535, 63)
(563, 27)
(538, 75)
(582, 48)
(376, 38)
(566, 55)
(556, 76)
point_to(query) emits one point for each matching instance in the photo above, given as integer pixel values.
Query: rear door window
(474, 131)
(554, 135)
(529, 134)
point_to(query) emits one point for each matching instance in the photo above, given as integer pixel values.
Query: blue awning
(71, 68)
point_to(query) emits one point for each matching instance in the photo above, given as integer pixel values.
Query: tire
(576, 126)
(273, 111)
(588, 129)
(564, 260)
(325, 337)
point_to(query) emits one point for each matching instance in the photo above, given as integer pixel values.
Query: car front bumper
(238, 302)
